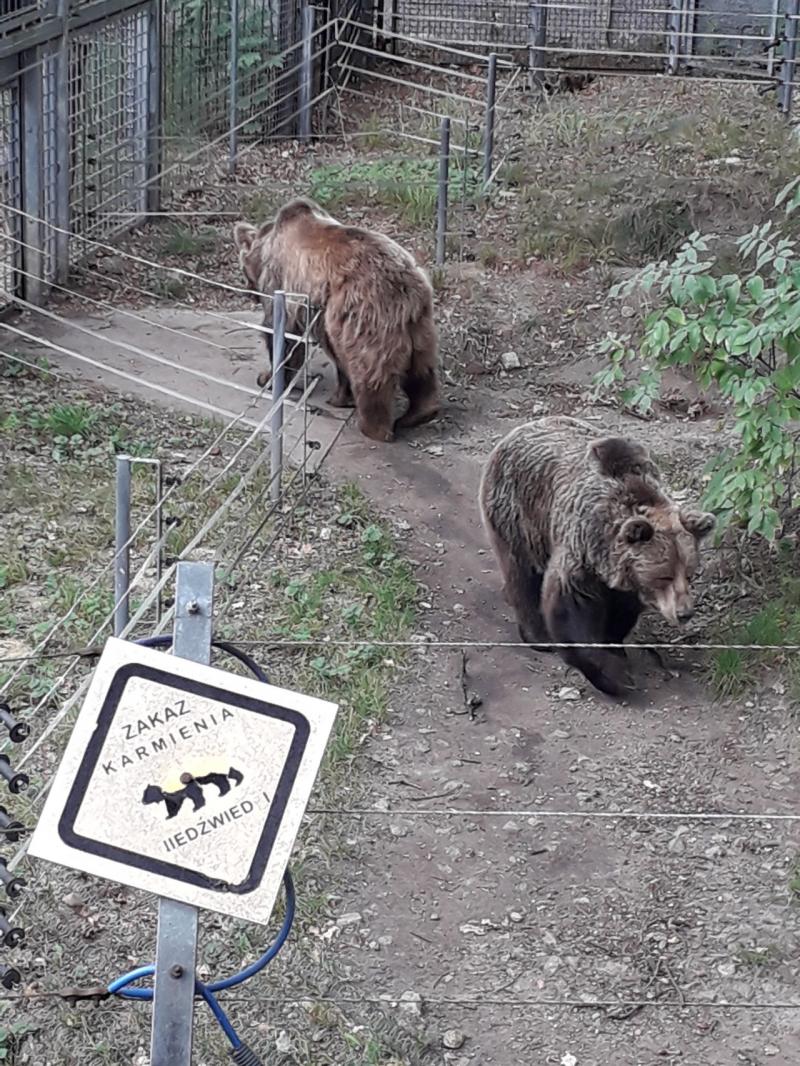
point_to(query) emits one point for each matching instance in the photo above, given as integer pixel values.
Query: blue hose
(121, 986)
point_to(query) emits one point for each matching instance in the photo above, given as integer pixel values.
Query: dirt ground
(495, 905)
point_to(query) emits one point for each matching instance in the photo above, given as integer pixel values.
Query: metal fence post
(306, 72)
(789, 56)
(32, 198)
(444, 182)
(674, 22)
(122, 547)
(537, 41)
(154, 117)
(233, 109)
(176, 949)
(394, 26)
(278, 384)
(62, 152)
(488, 139)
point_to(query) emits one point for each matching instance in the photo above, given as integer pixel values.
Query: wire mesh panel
(197, 63)
(108, 126)
(50, 166)
(735, 27)
(626, 30)
(460, 22)
(10, 193)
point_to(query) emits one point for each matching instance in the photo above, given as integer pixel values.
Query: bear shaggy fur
(377, 322)
(586, 539)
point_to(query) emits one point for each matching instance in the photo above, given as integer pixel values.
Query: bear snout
(685, 613)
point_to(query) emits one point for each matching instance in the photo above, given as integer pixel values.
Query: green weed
(68, 421)
(410, 185)
(187, 242)
(733, 671)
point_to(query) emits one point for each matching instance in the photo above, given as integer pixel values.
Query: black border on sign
(88, 764)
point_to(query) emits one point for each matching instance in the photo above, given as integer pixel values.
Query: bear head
(655, 553)
(620, 457)
(263, 278)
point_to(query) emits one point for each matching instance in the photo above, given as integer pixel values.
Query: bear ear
(244, 234)
(636, 531)
(698, 523)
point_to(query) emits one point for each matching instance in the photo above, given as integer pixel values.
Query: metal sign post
(188, 782)
(176, 947)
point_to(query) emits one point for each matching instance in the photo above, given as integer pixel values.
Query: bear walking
(376, 325)
(586, 539)
(192, 790)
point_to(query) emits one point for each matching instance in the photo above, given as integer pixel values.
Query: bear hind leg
(343, 397)
(375, 410)
(421, 381)
(422, 390)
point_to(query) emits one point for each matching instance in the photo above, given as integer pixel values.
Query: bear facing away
(586, 539)
(377, 322)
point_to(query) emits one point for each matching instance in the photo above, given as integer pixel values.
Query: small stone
(771, 1049)
(283, 1043)
(510, 361)
(453, 1039)
(72, 899)
(569, 694)
(398, 831)
(516, 917)
(353, 918)
(569, 1060)
(435, 449)
(411, 1003)
(726, 969)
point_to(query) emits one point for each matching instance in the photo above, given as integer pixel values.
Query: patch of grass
(169, 288)
(649, 232)
(794, 882)
(409, 185)
(759, 957)
(488, 256)
(374, 597)
(512, 173)
(187, 242)
(13, 567)
(777, 623)
(68, 421)
(260, 206)
(373, 134)
(11, 369)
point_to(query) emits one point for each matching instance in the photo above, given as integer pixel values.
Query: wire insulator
(13, 885)
(12, 937)
(9, 977)
(16, 782)
(17, 731)
(11, 830)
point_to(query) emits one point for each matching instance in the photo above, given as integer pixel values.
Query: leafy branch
(738, 333)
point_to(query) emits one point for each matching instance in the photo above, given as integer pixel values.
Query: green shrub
(740, 333)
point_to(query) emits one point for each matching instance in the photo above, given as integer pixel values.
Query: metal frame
(176, 947)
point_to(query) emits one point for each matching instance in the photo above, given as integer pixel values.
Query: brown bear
(586, 539)
(377, 309)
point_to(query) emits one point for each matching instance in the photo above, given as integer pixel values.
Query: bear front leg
(523, 592)
(574, 618)
(343, 397)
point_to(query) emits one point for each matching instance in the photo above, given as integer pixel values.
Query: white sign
(185, 781)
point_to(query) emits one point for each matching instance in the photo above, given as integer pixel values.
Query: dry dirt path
(519, 910)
